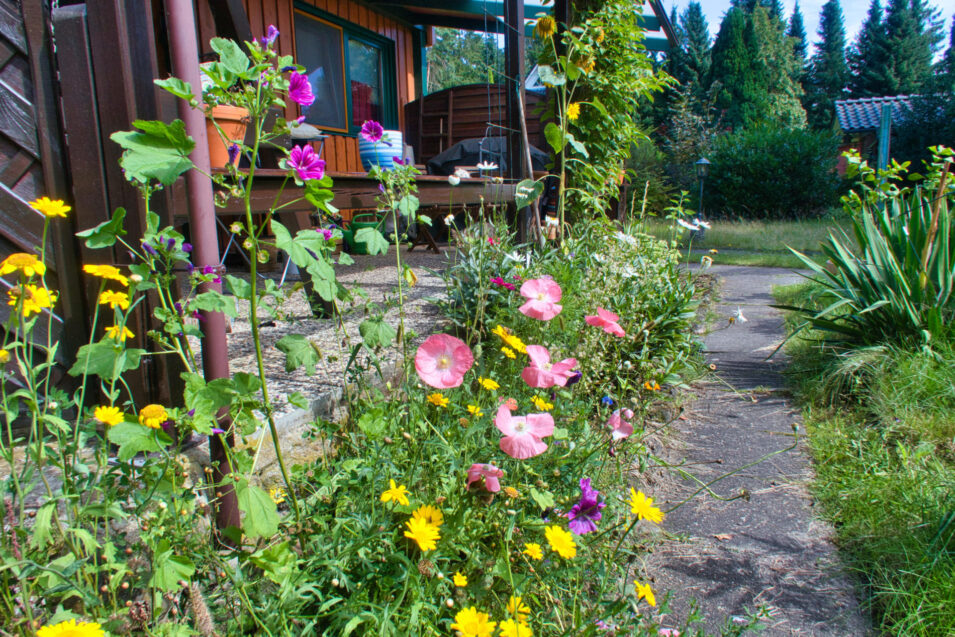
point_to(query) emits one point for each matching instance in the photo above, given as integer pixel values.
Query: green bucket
(363, 220)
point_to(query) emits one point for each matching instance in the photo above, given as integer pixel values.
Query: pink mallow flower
(543, 295)
(489, 472)
(502, 283)
(620, 428)
(442, 360)
(523, 434)
(306, 163)
(542, 373)
(299, 90)
(607, 320)
(372, 131)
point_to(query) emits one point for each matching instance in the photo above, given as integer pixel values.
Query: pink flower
(541, 373)
(442, 360)
(606, 320)
(523, 434)
(372, 131)
(299, 90)
(305, 161)
(489, 472)
(543, 295)
(620, 428)
(502, 283)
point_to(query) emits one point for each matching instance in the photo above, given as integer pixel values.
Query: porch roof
(487, 15)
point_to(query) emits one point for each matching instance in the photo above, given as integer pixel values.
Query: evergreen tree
(779, 68)
(797, 31)
(697, 48)
(828, 73)
(867, 56)
(733, 69)
(947, 65)
(463, 57)
(912, 36)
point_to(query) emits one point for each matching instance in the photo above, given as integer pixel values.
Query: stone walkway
(768, 549)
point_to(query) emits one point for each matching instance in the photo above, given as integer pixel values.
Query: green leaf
(526, 192)
(319, 196)
(555, 137)
(133, 438)
(160, 151)
(549, 76)
(373, 240)
(298, 351)
(323, 279)
(213, 301)
(241, 288)
(277, 562)
(230, 54)
(408, 205)
(168, 568)
(375, 332)
(544, 499)
(177, 87)
(578, 146)
(106, 359)
(261, 518)
(298, 399)
(104, 235)
(42, 525)
(373, 424)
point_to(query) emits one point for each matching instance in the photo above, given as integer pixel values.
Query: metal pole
(701, 197)
(202, 222)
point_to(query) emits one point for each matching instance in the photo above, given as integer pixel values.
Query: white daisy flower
(688, 226)
(702, 224)
(449, 220)
(460, 173)
(487, 165)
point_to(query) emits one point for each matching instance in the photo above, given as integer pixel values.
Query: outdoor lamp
(702, 167)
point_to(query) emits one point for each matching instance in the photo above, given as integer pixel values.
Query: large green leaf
(526, 192)
(555, 137)
(169, 568)
(213, 301)
(230, 54)
(373, 240)
(261, 519)
(323, 279)
(549, 76)
(106, 359)
(160, 151)
(132, 438)
(177, 87)
(104, 235)
(298, 351)
(375, 332)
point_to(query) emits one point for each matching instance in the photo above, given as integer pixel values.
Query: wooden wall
(341, 151)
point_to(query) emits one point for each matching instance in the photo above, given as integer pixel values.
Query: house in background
(859, 120)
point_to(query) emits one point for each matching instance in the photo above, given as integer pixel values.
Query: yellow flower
(460, 580)
(561, 541)
(4, 356)
(587, 65)
(654, 386)
(26, 263)
(437, 399)
(573, 111)
(35, 298)
(110, 272)
(470, 623)
(545, 27)
(431, 515)
(396, 493)
(500, 331)
(517, 609)
(511, 492)
(50, 207)
(474, 410)
(714, 251)
(114, 299)
(507, 351)
(511, 628)
(71, 629)
(645, 592)
(600, 36)
(426, 535)
(533, 551)
(642, 507)
(542, 404)
(113, 331)
(488, 384)
(153, 416)
(108, 415)
(277, 494)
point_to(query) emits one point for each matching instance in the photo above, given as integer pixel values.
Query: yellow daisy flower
(397, 493)
(29, 264)
(511, 492)
(431, 515)
(533, 551)
(277, 494)
(645, 592)
(119, 334)
(109, 272)
(561, 541)
(475, 411)
(470, 623)
(153, 416)
(108, 415)
(71, 628)
(114, 299)
(424, 534)
(573, 111)
(4, 356)
(488, 383)
(642, 507)
(654, 386)
(438, 399)
(460, 580)
(50, 207)
(517, 609)
(542, 404)
(511, 628)
(35, 298)
(507, 351)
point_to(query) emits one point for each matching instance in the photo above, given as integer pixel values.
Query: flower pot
(382, 153)
(233, 120)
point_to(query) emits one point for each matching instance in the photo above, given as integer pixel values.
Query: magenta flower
(305, 161)
(585, 514)
(442, 360)
(371, 131)
(542, 373)
(523, 434)
(489, 472)
(299, 90)
(543, 295)
(607, 320)
(498, 281)
(619, 425)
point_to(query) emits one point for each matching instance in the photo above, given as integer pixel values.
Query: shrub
(773, 173)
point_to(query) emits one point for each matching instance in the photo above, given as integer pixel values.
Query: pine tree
(733, 68)
(867, 56)
(828, 73)
(947, 65)
(913, 33)
(697, 47)
(797, 31)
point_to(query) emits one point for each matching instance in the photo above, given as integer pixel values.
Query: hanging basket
(382, 153)
(233, 120)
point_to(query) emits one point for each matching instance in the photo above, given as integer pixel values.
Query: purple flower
(186, 247)
(170, 243)
(208, 269)
(574, 378)
(196, 314)
(402, 162)
(191, 413)
(286, 69)
(584, 515)
(327, 233)
(178, 307)
(372, 131)
(233, 153)
(150, 250)
(381, 187)
(606, 400)
(305, 161)
(299, 120)
(299, 90)
(216, 430)
(270, 35)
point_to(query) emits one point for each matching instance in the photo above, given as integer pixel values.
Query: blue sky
(853, 10)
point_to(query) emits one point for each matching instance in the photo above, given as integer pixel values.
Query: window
(351, 70)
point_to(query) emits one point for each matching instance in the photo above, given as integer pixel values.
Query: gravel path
(767, 549)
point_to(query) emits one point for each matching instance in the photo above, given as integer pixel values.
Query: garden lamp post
(702, 170)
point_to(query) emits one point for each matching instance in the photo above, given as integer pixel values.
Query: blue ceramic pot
(382, 153)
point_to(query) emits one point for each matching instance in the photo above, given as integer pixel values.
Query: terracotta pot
(233, 120)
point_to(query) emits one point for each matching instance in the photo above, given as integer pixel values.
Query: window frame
(389, 71)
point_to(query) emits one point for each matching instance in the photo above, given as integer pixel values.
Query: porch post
(514, 95)
(202, 222)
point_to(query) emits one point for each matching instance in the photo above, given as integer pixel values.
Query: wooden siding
(341, 151)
